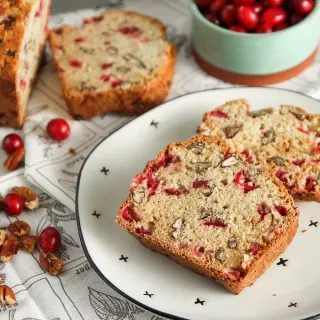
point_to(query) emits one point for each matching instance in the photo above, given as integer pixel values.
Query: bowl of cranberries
(255, 42)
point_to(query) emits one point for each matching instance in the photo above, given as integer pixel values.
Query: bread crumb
(72, 152)
(274, 294)
(303, 231)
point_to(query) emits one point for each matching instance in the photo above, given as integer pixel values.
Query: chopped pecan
(277, 160)
(9, 248)
(51, 263)
(6, 295)
(28, 243)
(231, 131)
(19, 228)
(268, 137)
(30, 198)
(15, 159)
(3, 236)
(260, 113)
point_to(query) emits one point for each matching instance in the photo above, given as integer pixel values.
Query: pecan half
(15, 159)
(51, 263)
(6, 295)
(30, 198)
(19, 228)
(9, 248)
(28, 243)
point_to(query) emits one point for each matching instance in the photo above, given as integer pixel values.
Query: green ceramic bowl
(255, 54)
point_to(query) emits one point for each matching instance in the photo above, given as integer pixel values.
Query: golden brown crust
(260, 263)
(12, 113)
(133, 101)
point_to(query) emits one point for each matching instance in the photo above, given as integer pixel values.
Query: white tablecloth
(78, 293)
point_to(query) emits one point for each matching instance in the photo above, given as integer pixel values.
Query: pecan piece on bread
(9, 248)
(19, 228)
(28, 243)
(15, 159)
(6, 295)
(51, 263)
(30, 198)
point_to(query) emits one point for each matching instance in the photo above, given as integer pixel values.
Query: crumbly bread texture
(286, 140)
(23, 31)
(118, 61)
(211, 211)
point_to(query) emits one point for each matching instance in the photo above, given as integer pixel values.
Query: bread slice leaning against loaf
(118, 61)
(23, 32)
(211, 211)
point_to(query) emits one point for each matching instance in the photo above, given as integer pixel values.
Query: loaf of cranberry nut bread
(117, 62)
(287, 140)
(23, 31)
(211, 211)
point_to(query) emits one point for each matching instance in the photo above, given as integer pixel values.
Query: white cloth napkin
(53, 168)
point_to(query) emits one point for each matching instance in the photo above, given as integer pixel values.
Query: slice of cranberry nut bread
(211, 211)
(118, 62)
(287, 140)
(23, 31)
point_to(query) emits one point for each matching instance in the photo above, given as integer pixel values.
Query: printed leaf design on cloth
(67, 238)
(108, 307)
(37, 109)
(111, 4)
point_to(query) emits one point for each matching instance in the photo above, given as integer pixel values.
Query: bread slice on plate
(23, 32)
(118, 61)
(211, 211)
(286, 140)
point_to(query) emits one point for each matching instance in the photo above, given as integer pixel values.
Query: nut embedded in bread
(211, 211)
(286, 140)
(23, 33)
(118, 61)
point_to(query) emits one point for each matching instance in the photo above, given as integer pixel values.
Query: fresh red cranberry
(273, 3)
(50, 240)
(128, 213)
(255, 248)
(217, 223)
(58, 129)
(203, 2)
(274, 16)
(263, 210)
(243, 180)
(236, 28)
(303, 7)
(13, 204)
(281, 27)
(243, 2)
(228, 15)
(12, 142)
(200, 184)
(174, 191)
(247, 18)
(257, 7)
(311, 184)
(295, 18)
(264, 28)
(217, 5)
(219, 114)
(282, 210)
(76, 64)
(212, 18)
(299, 163)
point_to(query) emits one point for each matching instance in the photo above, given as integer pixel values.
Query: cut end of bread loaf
(23, 31)
(211, 211)
(286, 140)
(118, 61)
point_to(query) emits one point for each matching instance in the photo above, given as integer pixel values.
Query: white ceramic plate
(290, 289)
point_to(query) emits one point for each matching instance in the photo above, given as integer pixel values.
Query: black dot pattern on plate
(105, 171)
(123, 258)
(154, 124)
(95, 214)
(148, 294)
(313, 224)
(282, 262)
(198, 301)
(293, 304)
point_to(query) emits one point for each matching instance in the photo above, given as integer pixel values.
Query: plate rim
(81, 237)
